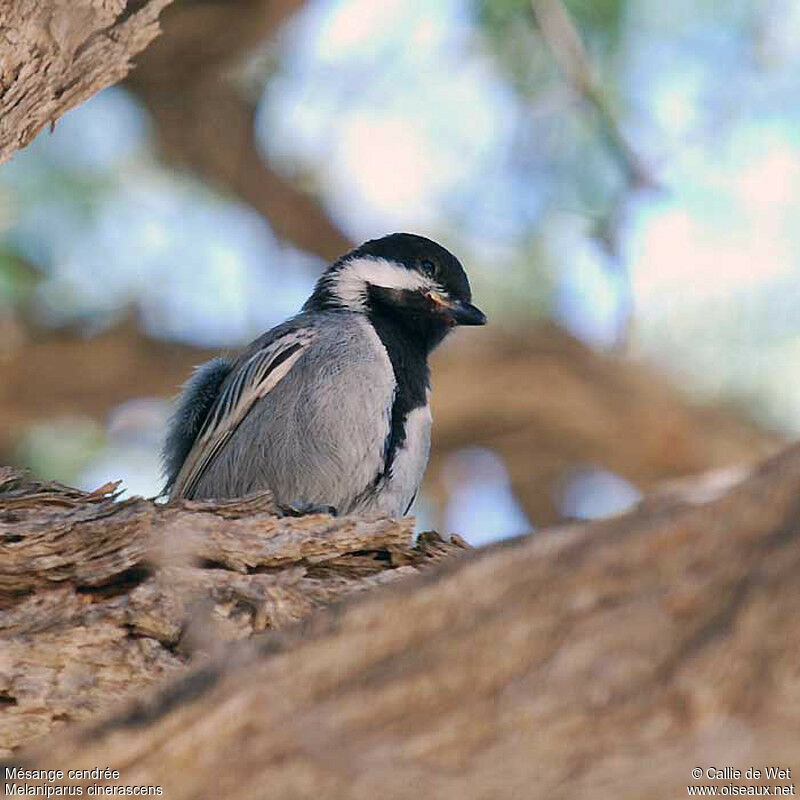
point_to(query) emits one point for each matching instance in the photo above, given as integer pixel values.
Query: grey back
(318, 436)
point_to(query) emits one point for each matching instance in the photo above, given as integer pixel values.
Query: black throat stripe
(412, 375)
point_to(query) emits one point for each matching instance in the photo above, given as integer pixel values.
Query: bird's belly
(328, 458)
(323, 442)
(319, 437)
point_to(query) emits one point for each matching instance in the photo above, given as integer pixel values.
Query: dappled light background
(651, 212)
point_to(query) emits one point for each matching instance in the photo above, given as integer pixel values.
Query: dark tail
(197, 397)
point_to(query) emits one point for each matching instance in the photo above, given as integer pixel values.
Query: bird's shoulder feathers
(244, 381)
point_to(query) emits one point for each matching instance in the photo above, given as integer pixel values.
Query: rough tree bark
(99, 597)
(601, 661)
(55, 55)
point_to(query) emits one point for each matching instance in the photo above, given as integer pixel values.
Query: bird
(330, 409)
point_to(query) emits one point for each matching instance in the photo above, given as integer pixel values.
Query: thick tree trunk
(603, 661)
(55, 55)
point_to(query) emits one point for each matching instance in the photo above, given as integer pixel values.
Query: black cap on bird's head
(401, 277)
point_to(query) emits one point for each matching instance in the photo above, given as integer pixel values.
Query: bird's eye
(428, 267)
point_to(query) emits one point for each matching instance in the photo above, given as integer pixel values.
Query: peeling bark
(99, 598)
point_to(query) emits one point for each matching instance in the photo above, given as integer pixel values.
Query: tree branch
(564, 41)
(118, 594)
(55, 55)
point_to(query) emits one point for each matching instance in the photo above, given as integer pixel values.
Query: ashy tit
(329, 409)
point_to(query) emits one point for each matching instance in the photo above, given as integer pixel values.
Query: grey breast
(318, 436)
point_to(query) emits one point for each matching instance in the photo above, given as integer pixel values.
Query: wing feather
(195, 403)
(247, 383)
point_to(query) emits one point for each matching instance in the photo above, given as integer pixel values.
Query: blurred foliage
(510, 24)
(61, 449)
(514, 38)
(17, 279)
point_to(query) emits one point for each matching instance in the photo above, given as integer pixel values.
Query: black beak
(466, 314)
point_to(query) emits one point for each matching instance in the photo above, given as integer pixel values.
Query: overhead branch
(55, 55)
(562, 38)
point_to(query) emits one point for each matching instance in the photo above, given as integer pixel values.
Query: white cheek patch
(350, 285)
